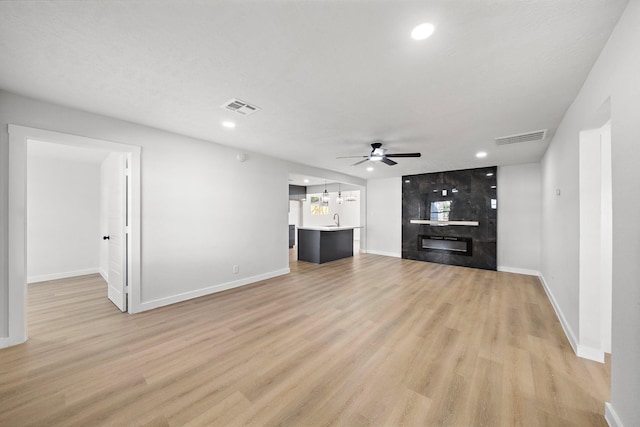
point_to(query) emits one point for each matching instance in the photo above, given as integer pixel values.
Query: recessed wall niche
(451, 217)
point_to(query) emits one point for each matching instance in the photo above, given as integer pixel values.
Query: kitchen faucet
(334, 219)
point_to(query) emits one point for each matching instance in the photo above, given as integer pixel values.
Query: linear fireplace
(447, 244)
(451, 217)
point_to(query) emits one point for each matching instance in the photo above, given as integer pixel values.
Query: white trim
(17, 247)
(8, 342)
(590, 353)
(18, 138)
(374, 252)
(611, 416)
(595, 354)
(583, 351)
(62, 275)
(563, 321)
(517, 270)
(104, 274)
(161, 302)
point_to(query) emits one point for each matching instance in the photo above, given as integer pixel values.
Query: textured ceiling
(330, 77)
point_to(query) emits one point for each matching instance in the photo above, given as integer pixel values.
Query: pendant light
(325, 195)
(339, 199)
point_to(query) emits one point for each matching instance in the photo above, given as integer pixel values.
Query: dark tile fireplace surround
(451, 217)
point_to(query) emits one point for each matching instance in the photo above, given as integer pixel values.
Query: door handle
(105, 237)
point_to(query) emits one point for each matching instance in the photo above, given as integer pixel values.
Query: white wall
(202, 210)
(104, 221)
(384, 216)
(614, 76)
(519, 218)
(62, 218)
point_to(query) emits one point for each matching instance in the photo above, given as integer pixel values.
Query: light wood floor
(368, 340)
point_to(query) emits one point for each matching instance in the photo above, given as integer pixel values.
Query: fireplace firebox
(446, 244)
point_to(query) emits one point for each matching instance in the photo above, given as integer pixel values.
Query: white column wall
(384, 216)
(519, 218)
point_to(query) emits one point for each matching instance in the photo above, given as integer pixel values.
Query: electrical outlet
(236, 269)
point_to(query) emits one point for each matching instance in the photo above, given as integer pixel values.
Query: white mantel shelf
(429, 222)
(330, 228)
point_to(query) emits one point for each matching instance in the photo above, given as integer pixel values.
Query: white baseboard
(595, 354)
(563, 320)
(611, 416)
(104, 275)
(517, 270)
(590, 353)
(9, 341)
(161, 302)
(63, 275)
(391, 254)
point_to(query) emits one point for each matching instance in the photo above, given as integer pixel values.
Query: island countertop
(330, 227)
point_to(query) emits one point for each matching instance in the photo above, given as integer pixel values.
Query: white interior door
(116, 207)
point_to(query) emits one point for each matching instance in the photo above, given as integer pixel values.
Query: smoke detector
(238, 106)
(536, 136)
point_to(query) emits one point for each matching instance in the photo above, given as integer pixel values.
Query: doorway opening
(77, 215)
(596, 247)
(309, 206)
(128, 238)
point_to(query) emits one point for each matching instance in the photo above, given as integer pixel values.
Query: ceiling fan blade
(360, 162)
(388, 161)
(404, 155)
(351, 157)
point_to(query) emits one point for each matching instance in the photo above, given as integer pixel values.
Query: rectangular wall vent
(240, 107)
(523, 137)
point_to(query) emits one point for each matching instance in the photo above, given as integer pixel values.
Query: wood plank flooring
(368, 340)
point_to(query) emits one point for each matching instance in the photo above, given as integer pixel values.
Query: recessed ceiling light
(229, 125)
(493, 186)
(369, 169)
(306, 181)
(422, 31)
(490, 174)
(481, 154)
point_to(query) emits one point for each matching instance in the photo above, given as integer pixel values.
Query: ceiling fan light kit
(379, 154)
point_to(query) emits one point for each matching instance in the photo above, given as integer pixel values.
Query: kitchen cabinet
(324, 244)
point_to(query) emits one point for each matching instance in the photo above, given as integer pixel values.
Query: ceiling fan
(379, 154)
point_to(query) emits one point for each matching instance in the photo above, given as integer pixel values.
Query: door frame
(595, 256)
(17, 236)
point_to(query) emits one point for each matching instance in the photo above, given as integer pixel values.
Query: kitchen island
(324, 244)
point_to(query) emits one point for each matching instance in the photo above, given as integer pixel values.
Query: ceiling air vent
(523, 137)
(240, 107)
